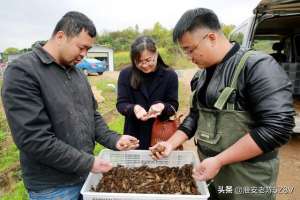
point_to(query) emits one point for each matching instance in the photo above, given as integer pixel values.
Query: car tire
(85, 72)
(100, 73)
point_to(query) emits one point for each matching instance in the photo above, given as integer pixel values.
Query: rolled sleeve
(189, 124)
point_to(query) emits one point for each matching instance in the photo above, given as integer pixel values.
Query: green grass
(166, 56)
(108, 92)
(121, 59)
(98, 148)
(116, 125)
(101, 83)
(181, 62)
(19, 193)
(9, 156)
(3, 122)
(2, 136)
(176, 60)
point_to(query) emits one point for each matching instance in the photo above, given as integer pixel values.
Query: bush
(176, 60)
(121, 59)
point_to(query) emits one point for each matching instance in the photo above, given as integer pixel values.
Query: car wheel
(85, 72)
(100, 73)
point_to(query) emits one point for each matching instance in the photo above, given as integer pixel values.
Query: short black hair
(196, 18)
(72, 23)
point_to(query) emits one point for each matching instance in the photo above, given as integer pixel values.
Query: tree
(9, 51)
(161, 35)
(118, 40)
(227, 29)
(105, 39)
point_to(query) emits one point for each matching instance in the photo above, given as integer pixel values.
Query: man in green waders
(241, 111)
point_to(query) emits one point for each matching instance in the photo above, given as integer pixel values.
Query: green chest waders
(220, 128)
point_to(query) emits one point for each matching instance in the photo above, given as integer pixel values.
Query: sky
(22, 22)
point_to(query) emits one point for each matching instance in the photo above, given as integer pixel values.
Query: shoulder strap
(227, 91)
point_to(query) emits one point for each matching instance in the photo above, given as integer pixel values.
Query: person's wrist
(172, 145)
(219, 160)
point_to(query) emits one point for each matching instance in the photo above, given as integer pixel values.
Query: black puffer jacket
(264, 90)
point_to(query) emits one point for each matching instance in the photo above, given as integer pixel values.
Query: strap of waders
(227, 91)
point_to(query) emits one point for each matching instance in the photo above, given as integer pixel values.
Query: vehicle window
(264, 45)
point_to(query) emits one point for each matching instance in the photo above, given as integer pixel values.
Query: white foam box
(137, 158)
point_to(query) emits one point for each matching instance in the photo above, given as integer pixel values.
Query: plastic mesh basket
(137, 158)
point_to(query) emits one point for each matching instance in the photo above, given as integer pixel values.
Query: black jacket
(164, 89)
(52, 115)
(263, 89)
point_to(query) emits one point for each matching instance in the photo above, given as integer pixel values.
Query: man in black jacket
(53, 115)
(241, 111)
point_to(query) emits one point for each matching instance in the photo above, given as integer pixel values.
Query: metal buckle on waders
(195, 142)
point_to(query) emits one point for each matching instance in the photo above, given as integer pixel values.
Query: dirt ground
(288, 178)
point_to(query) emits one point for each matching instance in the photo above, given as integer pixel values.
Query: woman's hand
(127, 142)
(140, 112)
(155, 110)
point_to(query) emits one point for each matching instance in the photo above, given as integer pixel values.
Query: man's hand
(160, 150)
(140, 112)
(207, 169)
(155, 110)
(101, 166)
(127, 142)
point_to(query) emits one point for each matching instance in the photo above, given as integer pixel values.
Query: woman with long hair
(147, 89)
